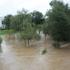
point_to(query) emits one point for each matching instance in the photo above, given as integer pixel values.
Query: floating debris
(44, 51)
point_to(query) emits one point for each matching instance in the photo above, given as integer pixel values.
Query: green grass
(3, 32)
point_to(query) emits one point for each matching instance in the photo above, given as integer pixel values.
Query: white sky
(12, 6)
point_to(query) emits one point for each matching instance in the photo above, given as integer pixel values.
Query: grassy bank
(3, 32)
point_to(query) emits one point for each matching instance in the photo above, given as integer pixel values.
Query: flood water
(14, 56)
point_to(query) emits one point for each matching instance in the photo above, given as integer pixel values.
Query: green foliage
(7, 21)
(29, 32)
(20, 19)
(3, 32)
(16, 22)
(58, 22)
(37, 17)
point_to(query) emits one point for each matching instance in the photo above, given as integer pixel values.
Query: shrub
(58, 21)
(56, 44)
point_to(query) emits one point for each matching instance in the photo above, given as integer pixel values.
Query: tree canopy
(58, 25)
(7, 21)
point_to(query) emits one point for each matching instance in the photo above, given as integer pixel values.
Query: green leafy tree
(38, 20)
(18, 20)
(7, 21)
(58, 25)
(29, 33)
(37, 17)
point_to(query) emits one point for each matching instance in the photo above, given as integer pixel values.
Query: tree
(58, 24)
(37, 17)
(7, 21)
(38, 20)
(16, 22)
(19, 19)
(29, 33)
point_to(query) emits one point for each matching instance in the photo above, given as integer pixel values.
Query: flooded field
(14, 56)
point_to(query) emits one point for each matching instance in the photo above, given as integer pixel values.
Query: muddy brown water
(14, 56)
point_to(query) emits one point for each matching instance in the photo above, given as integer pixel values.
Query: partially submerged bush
(56, 44)
(44, 51)
(58, 23)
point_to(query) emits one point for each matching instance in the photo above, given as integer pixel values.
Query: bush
(58, 22)
(44, 51)
(56, 44)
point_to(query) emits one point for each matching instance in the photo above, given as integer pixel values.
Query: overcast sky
(12, 6)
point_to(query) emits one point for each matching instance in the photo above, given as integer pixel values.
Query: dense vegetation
(57, 23)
